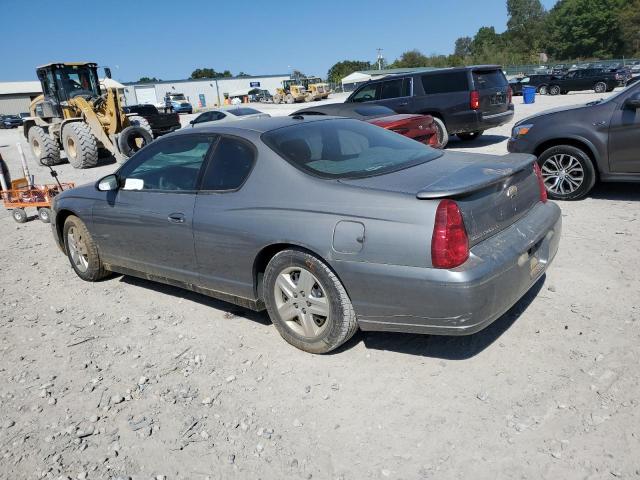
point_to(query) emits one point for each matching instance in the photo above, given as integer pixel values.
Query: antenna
(379, 58)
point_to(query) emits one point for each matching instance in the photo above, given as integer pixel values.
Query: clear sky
(169, 39)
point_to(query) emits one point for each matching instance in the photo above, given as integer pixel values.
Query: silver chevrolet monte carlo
(330, 224)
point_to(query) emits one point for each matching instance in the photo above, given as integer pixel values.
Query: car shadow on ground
(229, 309)
(446, 347)
(482, 141)
(616, 191)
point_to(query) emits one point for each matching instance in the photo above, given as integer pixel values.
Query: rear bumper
(473, 121)
(463, 301)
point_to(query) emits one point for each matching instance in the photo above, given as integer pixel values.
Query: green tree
(411, 59)
(585, 29)
(242, 74)
(525, 28)
(346, 67)
(209, 73)
(463, 47)
(149, 80)
(629, 18)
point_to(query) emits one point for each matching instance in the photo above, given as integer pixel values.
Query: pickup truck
(159, 123)
(596, 79)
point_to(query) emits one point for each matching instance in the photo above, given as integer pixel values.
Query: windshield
(74, 80)
(344, 148)
(624, 91)
(241, 112)
(178, 96)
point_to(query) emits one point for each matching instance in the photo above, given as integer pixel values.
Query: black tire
(469, 135)
(338, 327)
(443, 135)
(133, 139)
(94, 269)
(19, 215)
(543, 89)
(43, 146)
(564, 92)
(562, 154)
(554, 90)
(138, 121)
(80, 145)
(4, 171)
(600, 87)
(44, 214)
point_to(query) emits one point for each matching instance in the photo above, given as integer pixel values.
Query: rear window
(346, 148)
(445, 82)
(489, 79)
(241, 112)
(400, 87)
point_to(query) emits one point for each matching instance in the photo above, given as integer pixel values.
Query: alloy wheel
(562, 174)
(302, 302)
(77, 249)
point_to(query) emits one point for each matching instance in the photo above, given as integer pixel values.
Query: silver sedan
(224, 115)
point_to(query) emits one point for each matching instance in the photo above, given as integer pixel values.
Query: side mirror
(192, 123)
(108, 183)
(633, 103)
(107, 72)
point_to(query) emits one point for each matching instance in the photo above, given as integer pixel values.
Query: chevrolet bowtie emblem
(512, 191)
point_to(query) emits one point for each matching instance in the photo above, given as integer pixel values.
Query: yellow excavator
(78, 115)
(291, 92)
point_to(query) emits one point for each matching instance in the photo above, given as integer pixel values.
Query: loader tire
(43, 146)
(289, 99)
(138, 121)
(80, 145)
(132, 139)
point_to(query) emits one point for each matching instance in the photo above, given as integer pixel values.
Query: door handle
(403, 104)
(176, 218)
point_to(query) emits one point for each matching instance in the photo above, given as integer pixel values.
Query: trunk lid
(492, 191)
(493, 87)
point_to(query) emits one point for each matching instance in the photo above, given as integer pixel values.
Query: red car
(418, 127)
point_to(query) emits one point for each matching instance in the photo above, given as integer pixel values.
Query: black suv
(463, 101)
(540, 81)
(578, 145)
(597, 79)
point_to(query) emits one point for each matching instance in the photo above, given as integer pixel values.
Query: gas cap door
(348, 237)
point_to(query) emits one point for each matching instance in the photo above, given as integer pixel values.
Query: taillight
(449, 243)
(474, 101)
(543, 189)
(509, 95)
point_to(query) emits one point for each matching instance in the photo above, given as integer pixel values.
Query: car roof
(259, 125)
(437, 71)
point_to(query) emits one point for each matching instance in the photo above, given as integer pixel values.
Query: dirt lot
(130, 379)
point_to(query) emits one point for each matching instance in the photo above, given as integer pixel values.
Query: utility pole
(379, 58)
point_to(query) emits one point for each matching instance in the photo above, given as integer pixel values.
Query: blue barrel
(529, 94)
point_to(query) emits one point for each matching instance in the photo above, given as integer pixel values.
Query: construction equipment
(316, 88)
(23, 193)
(292, 91)
(77, 114)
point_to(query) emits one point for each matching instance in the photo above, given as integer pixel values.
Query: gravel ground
(130, 379)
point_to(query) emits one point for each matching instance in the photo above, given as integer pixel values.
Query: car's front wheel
(82, 250)
(567, 171)
(542, 90)
(554, 90)
(600, 87)
(307, 303)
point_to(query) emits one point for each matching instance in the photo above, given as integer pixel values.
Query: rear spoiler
(472, 179)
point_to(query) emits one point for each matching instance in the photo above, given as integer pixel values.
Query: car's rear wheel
(307, 303)
(554, 90)
(567, 171)
(441, 129)
(469, 135)
(82, 250)
(600, 87)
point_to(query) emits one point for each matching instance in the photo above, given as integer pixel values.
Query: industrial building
(201, 93)
(15, 97)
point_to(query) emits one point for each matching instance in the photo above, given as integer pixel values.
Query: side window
(392, 89)
(230, 165)
(205, 117)
(217, 116)
(367, 93)
(169, 165)
(445, 82)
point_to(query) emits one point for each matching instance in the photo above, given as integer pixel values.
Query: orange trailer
(21, 196)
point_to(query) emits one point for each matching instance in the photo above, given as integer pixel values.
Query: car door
(146, 225)
(224, 242)
(624, 135)
(396, 94)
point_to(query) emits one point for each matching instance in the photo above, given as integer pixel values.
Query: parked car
(332, 224)
(463, 101)
(541, 82)
(262, 96)
(578, 146)
(179, 103)
(24, 115)
(10, 121)
(223, 115)
(158, 123)
(417, 127)
(596, 79)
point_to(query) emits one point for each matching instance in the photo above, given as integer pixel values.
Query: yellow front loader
(75, 114)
